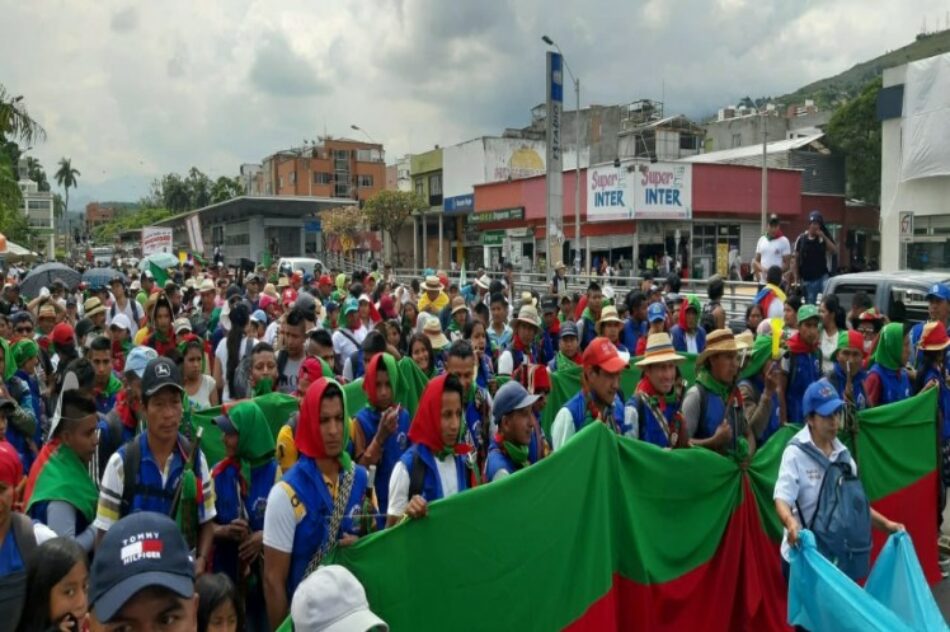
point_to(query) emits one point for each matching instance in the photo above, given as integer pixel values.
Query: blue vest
(497, 461)
(805, 369)
(895, 385)
(758, 385)
(649, 428)
(228, 502)
(396, 443)
(38, 513)
(431, 483)
(306, 480)
(589, 332)
(839, 380)
(632, 331)
(577, 406)
(105, 403)
(713, 413)
(679, 339)
(473, 422)
(485, 371)
(149, 493)
(943, 400)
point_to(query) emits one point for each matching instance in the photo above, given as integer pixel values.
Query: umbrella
(96, 278)
(15, 252)
(163, 260)
(44, 275)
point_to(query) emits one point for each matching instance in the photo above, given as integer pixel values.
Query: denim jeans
(814, 288)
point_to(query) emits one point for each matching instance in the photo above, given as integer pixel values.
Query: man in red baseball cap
(325, 287)
(599, 398)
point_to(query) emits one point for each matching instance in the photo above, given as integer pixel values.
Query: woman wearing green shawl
(887, 379)
(761, 386)
(59, 491)
(240, 501)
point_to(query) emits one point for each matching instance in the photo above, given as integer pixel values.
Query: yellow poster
(722, 259)
(182, 256)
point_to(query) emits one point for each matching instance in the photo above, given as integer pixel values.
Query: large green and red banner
(614, 534)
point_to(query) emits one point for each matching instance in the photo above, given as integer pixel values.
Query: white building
(38, 207)
(914, 108)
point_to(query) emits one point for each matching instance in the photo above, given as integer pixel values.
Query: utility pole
(765, 172)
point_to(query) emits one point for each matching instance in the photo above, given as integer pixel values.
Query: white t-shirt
(690, 342)
(346, 344)
(773, 253)
(799, 480)
(202, 399)
(221, 353)
(399, 484)
(828, 345)
(291, 368)
(270, 334)
(129, 311)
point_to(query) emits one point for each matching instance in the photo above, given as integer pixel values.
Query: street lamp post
(577, 151)
(365, 133)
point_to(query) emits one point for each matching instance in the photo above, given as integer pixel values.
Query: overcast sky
(132, 90)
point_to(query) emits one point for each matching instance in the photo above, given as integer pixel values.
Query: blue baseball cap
(568, 328)
(259, 316)
(510, 397)
(138, 359)
(655, 312)
(142, 550)
(350, 305)
(939, 291)
(822, 398)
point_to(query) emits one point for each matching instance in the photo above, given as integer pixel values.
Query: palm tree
(15, 121)
(66, 177)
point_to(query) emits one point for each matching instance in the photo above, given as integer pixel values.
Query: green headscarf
(9, 364)
(341, 282)
(757, 356)
(255, 439)
(890, 347)
(23, 350)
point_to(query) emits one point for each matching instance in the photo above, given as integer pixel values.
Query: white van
(304, 264)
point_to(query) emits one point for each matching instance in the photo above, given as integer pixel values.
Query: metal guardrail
(736, 299)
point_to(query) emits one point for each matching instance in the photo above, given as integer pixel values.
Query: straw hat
(432, 284)
(660, 349)
(719, 341)
(527, 298)
(433, 331)
(458, 305)
(528, 314)
(746, 338)
(559, 265)
(608, 315)
(484, 282)
(207, 285)
(283, 282)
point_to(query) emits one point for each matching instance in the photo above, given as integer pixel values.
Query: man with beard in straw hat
(653, 411)
(311, 511)
(712, 407)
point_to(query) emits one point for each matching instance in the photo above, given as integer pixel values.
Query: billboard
(195, 239)
(555, 194)
(640, 190)
(156, 239)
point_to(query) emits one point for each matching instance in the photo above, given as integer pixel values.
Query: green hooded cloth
(255, 440)
(757, 356)
(890, 347)
(23, 350)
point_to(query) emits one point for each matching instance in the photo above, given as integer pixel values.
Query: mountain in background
(830, 92)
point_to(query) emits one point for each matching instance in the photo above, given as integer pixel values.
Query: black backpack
(130, 472)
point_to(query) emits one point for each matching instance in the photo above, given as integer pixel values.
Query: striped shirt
(110, 491)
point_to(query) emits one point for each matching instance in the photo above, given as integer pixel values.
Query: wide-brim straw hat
(608, 315)
(528, 314)
(433, 331)
(659, 350)
(458, 305)
(719, 341)
(483, 282)
(432, 284)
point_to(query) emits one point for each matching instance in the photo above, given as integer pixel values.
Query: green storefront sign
(497, 216)
(493, 237)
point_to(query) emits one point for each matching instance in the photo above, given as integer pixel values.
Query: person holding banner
(653, 411)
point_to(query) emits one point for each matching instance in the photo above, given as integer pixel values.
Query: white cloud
(132, 90)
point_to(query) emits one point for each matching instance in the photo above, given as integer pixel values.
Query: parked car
(304, 264)
(901, 296)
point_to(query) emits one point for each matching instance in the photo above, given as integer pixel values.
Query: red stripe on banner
(915, 506)
(740, 588)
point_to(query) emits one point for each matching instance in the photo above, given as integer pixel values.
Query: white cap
(122, 322)
(331, 599)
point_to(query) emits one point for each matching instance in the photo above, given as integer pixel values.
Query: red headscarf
(369, 377)
(426, 428)
(11, 468)
(307, 436)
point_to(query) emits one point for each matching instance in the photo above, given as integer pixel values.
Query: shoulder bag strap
(24, 535)
(339, 509)
(130, 470)
(416, 476)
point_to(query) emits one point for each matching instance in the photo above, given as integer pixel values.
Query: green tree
(15, 122)
(855, 132)
(225, 188)
(199, 188)
(13, 222)
(67, 177)
(175, 194)
(37, 174)
(389, 211)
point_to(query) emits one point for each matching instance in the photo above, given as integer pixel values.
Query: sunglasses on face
(24, 330)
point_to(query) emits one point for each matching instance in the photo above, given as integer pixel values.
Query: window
(293, 177)
(435, 184)
(322, 177)
(365, 181)
(908, 304)
(737, 140)
(420, 186)
(280, 182)
(341, 154)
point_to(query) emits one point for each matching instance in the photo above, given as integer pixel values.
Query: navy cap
(939, 291)
(158, 374)
(223, 422)
(815, 216)
(822, 398)
(655, 312)
(510, 397)
(568, 328)
(139, 551)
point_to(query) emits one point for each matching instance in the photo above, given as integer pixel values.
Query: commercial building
(38, 207)
(255, 227)
(914, 109)
(330, 168)
(739, 126)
